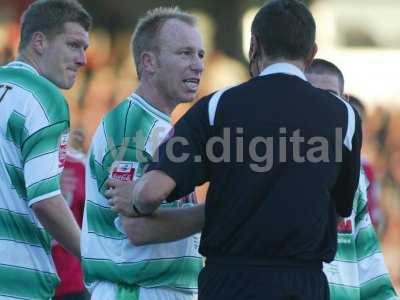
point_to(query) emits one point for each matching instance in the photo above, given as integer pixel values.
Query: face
(63, 54)
(179, 62)
(327, 82)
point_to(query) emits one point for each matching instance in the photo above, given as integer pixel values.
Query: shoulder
(118, 114)
(127, 118)
(41, 90)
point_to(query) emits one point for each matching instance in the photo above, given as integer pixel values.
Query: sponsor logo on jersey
(62, 149)
(123, 170)
(345, 226)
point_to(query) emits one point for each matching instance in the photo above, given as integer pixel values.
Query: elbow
(41, 208)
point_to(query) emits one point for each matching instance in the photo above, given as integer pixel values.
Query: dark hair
(284, 29)
(357, 104)
(322, 66)
(49, 17)
(145, 35)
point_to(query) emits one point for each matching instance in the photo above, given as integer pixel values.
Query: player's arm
(165, 225)
(56, 217)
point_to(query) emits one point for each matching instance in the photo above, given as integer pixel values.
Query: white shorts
(108, 291)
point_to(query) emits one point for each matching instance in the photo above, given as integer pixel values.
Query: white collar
(20, 64)
(284, 68)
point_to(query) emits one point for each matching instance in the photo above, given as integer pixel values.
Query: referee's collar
(284, 68)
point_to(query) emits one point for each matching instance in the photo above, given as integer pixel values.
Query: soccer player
(358, 270)
(33, 138)
(168, 53)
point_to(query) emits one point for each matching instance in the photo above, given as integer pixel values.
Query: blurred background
(360, 36)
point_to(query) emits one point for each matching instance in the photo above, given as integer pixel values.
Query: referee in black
(283, 160)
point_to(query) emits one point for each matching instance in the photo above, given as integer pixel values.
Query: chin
(188, 98)
(66, 85)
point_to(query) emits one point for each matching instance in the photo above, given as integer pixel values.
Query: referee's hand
(119, 195)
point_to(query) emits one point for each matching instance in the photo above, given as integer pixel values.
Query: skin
(59, 57)
(165, 75)
(326, 81)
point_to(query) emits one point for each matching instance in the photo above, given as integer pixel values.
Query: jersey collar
(284, 68)
(22, 65)
(150, 107)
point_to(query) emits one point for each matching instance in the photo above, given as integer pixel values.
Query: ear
(310, 57)
(39, 42)
(149, 62)
(253, 47)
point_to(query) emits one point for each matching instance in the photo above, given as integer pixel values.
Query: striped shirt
(131, 132)
(34, 127)
(358, 270)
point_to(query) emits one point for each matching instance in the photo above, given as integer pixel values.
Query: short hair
(49, 17)
(322, 66)
(357, 104)
(284, 29)
(146, 33)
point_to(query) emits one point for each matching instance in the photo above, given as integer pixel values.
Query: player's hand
(120, 195)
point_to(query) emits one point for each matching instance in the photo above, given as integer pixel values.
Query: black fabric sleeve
(182, 156)
(347, 181)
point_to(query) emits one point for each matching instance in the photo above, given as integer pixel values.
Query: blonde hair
(145, 35)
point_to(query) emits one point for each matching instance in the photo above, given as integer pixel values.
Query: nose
(81, 58)
(197, 64)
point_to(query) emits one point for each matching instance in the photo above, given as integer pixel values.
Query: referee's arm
(347, 181)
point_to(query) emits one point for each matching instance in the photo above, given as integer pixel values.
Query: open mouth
(192, 83)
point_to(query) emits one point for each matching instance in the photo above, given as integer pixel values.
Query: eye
(73, 45)
(186, 52)
(201, 55)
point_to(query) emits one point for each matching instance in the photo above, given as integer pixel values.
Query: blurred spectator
(73, 188)
(6, 55)
(392, 181)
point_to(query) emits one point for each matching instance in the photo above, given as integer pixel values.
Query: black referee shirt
(282, 158)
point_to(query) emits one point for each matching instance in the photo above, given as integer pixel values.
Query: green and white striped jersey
(131, 132)
(34, 127)
(358, 271)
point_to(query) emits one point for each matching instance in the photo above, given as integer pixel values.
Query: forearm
(57, 219)
(165, 225)
(151, 190)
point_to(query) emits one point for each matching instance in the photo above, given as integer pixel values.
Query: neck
(264, 63)
(155, 98)
(30, 60)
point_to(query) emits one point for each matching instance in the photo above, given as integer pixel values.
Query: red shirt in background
(73, 188)
(373, 194)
